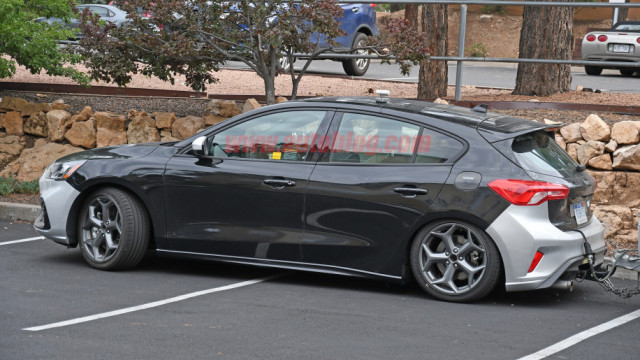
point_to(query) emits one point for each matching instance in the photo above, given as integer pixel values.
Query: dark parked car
(359, 22)
(461, 199)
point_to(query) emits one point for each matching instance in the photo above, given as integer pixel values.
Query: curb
(13, 211)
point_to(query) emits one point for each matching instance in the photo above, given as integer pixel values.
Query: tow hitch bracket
(622, 258)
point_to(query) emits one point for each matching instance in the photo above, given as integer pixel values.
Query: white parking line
(21, 240)
(564, 344)
(150, 305)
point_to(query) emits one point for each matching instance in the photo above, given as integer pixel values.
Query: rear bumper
(521, 231)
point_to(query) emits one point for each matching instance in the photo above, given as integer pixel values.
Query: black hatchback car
(461, 200)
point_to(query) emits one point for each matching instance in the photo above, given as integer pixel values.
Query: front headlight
(59, 171)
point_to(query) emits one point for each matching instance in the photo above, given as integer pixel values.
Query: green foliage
(478, 50)
(35, 44)
(494, 9)
(12, 186)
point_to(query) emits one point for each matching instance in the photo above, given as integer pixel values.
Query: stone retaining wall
(611, 154)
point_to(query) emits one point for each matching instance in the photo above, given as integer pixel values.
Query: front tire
(593, 70)
(357, 67)
(455, 261)
(113, 230)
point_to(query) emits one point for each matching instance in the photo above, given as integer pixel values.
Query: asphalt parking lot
(53, 306)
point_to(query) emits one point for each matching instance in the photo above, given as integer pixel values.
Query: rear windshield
(538, 152)
(627, 27)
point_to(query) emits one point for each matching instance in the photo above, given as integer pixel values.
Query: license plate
(621, 48)
(579, 213)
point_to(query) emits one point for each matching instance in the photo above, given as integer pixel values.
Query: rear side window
(538, 152)
(369, 139)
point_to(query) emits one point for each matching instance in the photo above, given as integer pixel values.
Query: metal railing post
(461, 37)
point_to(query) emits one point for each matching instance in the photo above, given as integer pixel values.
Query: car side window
(102, 12)
(368, 139)
(284, 135)
(435, 147)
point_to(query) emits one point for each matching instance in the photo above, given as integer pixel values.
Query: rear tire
(455, 261)
(627, 72)
(357, 67)
(593, 70)
(113, 230)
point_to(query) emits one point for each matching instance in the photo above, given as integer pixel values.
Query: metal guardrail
(463, 25)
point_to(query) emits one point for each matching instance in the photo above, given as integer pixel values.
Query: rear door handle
(355, 10)
(277, 183)
(410, 191)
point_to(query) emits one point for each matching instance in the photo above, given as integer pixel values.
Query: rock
(627, 158)
(142, 129)
(551, 122)
(611, 146)
(589, 150)
(534, 100)
(602, 162)
(615, 218)
(32, 162)
(24, 107)
(251, 104)
(281, 99)
(213, 119)
(594, 128)
(579, 88)
(135, 113)
(228, 108)
(185, 127)
(59, 105)
(165, 120)
(571, 133)
(440, 101)
(165, 135)
(213, 107)
(625, 132)
(82, 133)
(85, 114)
(13, 123)
(10, 146)
(36, 124)
(484, 18)
(58, 122)
(110, 121)
(110, 137)
(560, 141)
(617, 188)
(572, 150)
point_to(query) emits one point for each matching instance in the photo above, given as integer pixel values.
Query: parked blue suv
(358, 21)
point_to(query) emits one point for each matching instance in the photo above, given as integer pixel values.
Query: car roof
(492, 126)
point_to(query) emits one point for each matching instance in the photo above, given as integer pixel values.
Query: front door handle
(355, 10)
(410, 191)
(279, 184)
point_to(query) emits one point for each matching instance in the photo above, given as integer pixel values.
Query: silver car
(106, 12)
(620, 43)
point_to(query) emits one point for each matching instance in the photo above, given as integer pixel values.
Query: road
(56, 307)
(476, 74)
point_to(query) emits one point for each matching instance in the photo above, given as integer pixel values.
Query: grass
(10, 186)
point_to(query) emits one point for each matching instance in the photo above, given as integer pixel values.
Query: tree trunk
(623, 13)
(411, 14)
(432, 80)
(396, 7)
(547, 33)
(270, 89)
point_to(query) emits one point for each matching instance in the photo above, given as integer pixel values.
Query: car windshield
(627, 27)
(538, 152)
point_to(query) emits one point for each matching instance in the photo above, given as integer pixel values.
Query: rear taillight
(372, 5)
(591, 37)
(602, 38)
(638, 40)
(536, 260)
(528, 192)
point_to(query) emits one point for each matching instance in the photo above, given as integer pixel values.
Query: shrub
(12, 186)
(478, 50)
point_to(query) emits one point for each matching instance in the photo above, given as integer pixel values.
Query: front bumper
(520, 231)
(57, 198)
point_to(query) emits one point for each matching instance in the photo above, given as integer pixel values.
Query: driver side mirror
(201, 146)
